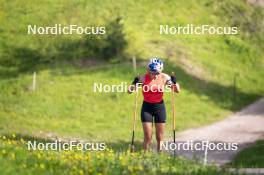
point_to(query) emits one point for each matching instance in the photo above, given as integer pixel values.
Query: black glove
(136, 80)
(173, 79)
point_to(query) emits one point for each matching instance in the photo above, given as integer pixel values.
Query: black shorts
(156, 111)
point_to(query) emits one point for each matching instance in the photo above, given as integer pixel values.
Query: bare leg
(147, 128)
(159, 134)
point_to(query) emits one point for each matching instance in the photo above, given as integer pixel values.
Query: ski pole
(173, 114)
(134, 119)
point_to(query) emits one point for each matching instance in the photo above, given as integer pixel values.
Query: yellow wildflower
(13, 156)
(24, 165)
(81, 172)
(22, 140)
(39, 155)
(42, 166)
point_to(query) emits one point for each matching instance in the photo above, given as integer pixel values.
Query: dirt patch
(243, 128)
(256, 2)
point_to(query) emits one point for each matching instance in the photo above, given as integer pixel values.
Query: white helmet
(155, 65)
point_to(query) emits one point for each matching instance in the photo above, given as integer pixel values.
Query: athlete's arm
(137, 80)
(176, 87)
(172, 82)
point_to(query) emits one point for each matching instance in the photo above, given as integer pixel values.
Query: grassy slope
(251, 157)
(64, 103)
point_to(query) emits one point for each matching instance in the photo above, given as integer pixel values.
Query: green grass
(251, 157)
(64, 104)
(16, 159)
